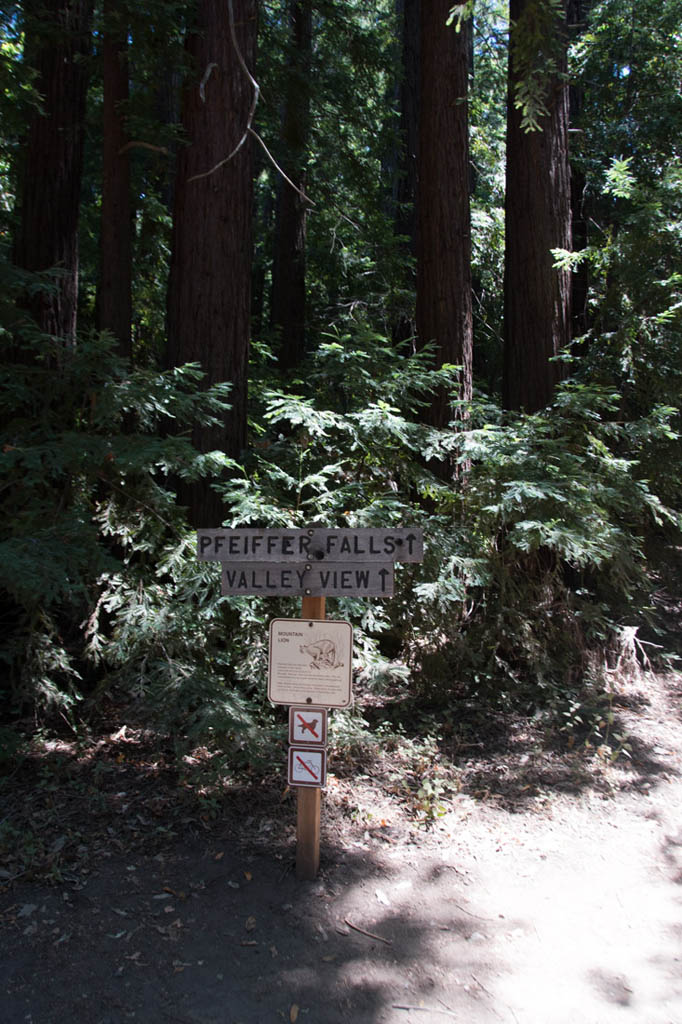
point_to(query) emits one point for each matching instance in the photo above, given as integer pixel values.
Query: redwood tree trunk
(209, 291)
(537, 298)
(444, 304)
(576, 14)
(405, 179)
(114, 298)
(57, 45)
(288, 304)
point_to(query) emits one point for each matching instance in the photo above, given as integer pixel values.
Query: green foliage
(351, 259)
(18, 96)
(537, 43)
(530, 569)
(630, 59)
(547, 554)
(534, 558)
(460, 13)
(84, 487)
(487, 139)
(350, 453)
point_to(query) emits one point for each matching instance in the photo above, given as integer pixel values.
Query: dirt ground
(550, 892)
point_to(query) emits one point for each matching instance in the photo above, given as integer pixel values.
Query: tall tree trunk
(115, 288)
(57, 44)
(209, 294)
(405, 185)
(444, 302)
(577, 11)
(288, 304)
(537, 298)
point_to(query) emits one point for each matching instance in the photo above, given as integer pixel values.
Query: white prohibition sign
(307, 767)
(308, 726)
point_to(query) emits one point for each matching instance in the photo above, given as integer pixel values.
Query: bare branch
(142, 145)
(240, 58)
(249, 130)
(204, 80)
(254, 102)
(221, 163)
(279, 169)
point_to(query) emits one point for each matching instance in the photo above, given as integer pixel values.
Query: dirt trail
(568, 911)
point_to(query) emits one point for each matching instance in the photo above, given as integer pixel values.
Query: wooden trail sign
(312, 544)
(317, 579)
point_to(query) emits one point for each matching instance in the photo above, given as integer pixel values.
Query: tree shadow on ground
(674, 688)
(518, 757)
(69, 802)
(142, 892)
(524, 765)
(218, 930)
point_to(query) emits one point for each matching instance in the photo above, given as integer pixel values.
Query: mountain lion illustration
(322, 654)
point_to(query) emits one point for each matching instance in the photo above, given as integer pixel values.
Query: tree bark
(288, 297)
(537, 298)
(444, 301)
(576, 13)
(57, 45)
(115, 289)
(209, 291)
(405, 175)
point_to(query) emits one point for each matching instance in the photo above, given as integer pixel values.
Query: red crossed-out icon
(307, 767)
(308, 726)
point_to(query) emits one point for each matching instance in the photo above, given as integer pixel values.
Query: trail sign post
(309, 798)
(315, 668)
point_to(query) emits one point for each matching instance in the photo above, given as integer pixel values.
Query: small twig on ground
(423, 1009)
(481, 985)
(370, 935)
(489, 993)
(13, 878)
(477, 916)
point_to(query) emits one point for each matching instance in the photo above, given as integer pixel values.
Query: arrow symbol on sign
(384, 573)
(410, 541)
(307, 767)
(308, 726)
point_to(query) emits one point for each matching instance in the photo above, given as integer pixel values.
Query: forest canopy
(343, 263)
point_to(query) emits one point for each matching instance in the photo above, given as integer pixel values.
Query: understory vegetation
(549, 536)
(534, 581)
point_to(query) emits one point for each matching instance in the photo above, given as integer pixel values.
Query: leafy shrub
(532, 566)
(533, 558)
(84, 473)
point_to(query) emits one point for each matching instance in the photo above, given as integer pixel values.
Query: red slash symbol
(307, 768)
(308, 726)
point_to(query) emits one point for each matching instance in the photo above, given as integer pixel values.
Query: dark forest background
(361, 263)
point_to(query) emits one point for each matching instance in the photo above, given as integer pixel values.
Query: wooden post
(308, 799)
